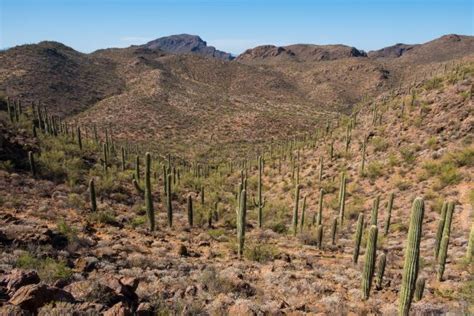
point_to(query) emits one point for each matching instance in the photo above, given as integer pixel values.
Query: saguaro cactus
(369, 263)
(439, 231)
(412, 254)
(202, 195)
(320, 208)
(358, 237)
(123, 158)
(148, 197)
(319, 236)
(190, 211)
(260, 203)
(333, 230)
(79, 138)
(470, 245)
(320, 169)
(375, 211)
(104, 149)
(303, 214)
(419, 288)
(241, 222)
(31, 159)
(169, 205)
(380, 270)
(389, 213)
(92, 195)
(137, 168)
(443, 254)
(295, 210)
(362, 166)
(342, 199)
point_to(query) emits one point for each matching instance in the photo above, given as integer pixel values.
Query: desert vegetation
(366, 212)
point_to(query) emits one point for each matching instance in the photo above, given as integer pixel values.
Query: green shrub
(379, 143)
(374, 170)
(260, 252)
(48, 269)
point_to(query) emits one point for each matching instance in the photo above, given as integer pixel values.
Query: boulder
(18, 278)
(119, 309)
(33, 296)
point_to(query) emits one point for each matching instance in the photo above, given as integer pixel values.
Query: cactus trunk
(358, 237)
(369, 263)
(148, 197)
(412, 254)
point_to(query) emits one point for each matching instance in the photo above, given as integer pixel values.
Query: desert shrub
(103, 217)
(278, 227)
(432, 142)
(260, 252)
(76, 201)
(216, 234)
(408, 154)
(447, 173)
(374, 170)
(7, 165)
(67, 230)
(434, 83)
(379, 143)
(214, 282)
(138, 221)
(48, 269)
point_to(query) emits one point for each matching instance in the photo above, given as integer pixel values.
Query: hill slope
(418, 143)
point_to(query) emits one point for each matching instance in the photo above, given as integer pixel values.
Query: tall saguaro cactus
(260, 203)
(375, 211)
(241, 222)
(389, 213)
(440, 228)
(295, 209)
(148, 197)
(320, 207)
(369, 264)
(412, 254)
(470, 245)
(190, 211)
(92, 196)
(169, 205)
(31, 159)
(362, 166)
(358, 237)
(380, 270)
(342, 199)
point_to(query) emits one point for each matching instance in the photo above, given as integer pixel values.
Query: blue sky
(232, 25)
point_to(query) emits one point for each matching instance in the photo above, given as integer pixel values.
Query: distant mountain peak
(187, 44)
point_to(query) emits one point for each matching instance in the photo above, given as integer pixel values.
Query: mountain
(201, 103)
(394, 51)
(187, 44)
(64, 80)
(300, 52)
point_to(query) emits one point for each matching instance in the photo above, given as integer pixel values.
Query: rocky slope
(419, 143)
(190, 101)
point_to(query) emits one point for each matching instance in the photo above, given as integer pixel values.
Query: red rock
(18, 278)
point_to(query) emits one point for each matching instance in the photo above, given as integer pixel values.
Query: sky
(232, 25)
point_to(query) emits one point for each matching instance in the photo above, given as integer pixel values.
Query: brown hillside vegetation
(91, 248)
(190, 101)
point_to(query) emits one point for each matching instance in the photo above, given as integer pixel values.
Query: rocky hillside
(187, 44)
(68, 246)
(179, 100)
(59, 77)
(300, 53)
